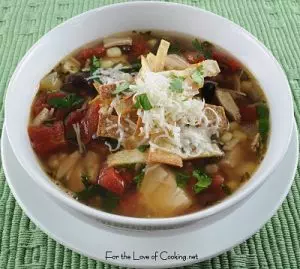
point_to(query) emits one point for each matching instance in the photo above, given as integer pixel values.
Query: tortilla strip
(105, 91)
(151, 59)
(125, 157)
(108, 126)
(160, 156)
(161, 55)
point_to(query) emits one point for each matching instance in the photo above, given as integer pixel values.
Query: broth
(149, 124)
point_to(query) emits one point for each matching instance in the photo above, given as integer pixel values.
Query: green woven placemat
(276, 23)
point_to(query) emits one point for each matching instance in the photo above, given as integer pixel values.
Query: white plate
(94, 241)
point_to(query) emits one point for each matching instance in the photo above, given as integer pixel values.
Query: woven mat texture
(276, 23)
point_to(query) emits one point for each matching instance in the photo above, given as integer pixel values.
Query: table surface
(275, 22)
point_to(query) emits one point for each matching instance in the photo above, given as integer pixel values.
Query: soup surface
(148, 124)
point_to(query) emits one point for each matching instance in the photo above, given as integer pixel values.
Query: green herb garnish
(176, 84)
(226, 189)
(143, 148)
(85, 180)
(198, 77)
(89, 192)
(143, 102)
(110, 201)
(263, 121)
(182, 179)
(203, 181)
(69, 101)
(204, 48)
(174, 48)
(139, 178)
(121, 87)
(95, 64)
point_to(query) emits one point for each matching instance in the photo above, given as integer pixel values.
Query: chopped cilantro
(198, 77)
(85, 180)
(110, 201)
(203, 181)
(121, 87)
(263, 121)
(68, 101)
(226, 189)
(143, 102)
(138, 178)
(89, 192)
(181, 179)
(176, 84)
(143, 148)
(175, 48)
(95, 64)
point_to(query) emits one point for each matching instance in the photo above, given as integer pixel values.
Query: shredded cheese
(177, 122)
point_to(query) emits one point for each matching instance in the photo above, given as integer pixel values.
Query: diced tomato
(248, 113)
(99, 148)
(129, 204)
(224, 59)
(89, 124)
(74, 117)
(99, 51)
(46, 139)
(127, 176)
(110, 179)
(39, 104)
(190, 186)
(193, 57)
(139, 46)
(217, 181)
(88, 53)
(61, 113)
(55, 95)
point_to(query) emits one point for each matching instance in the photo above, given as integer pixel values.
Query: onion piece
(44, 115)
(81, 146)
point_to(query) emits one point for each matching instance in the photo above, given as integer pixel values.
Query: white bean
(211, 168)
(239, 135)
(231, 144)
(152, 42)
(114, 52)
(226, 137)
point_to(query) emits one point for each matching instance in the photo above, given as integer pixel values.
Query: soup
(147, 124)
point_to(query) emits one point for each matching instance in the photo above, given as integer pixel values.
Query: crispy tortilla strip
(220, 112)
(132, 142)
(125, 157)
(160, 156)
(124, 106)
(210, 68)
(105, 91)
(161, 55)
(151, 59)
(108, 126)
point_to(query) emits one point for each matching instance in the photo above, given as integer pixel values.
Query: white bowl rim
(152, 222)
